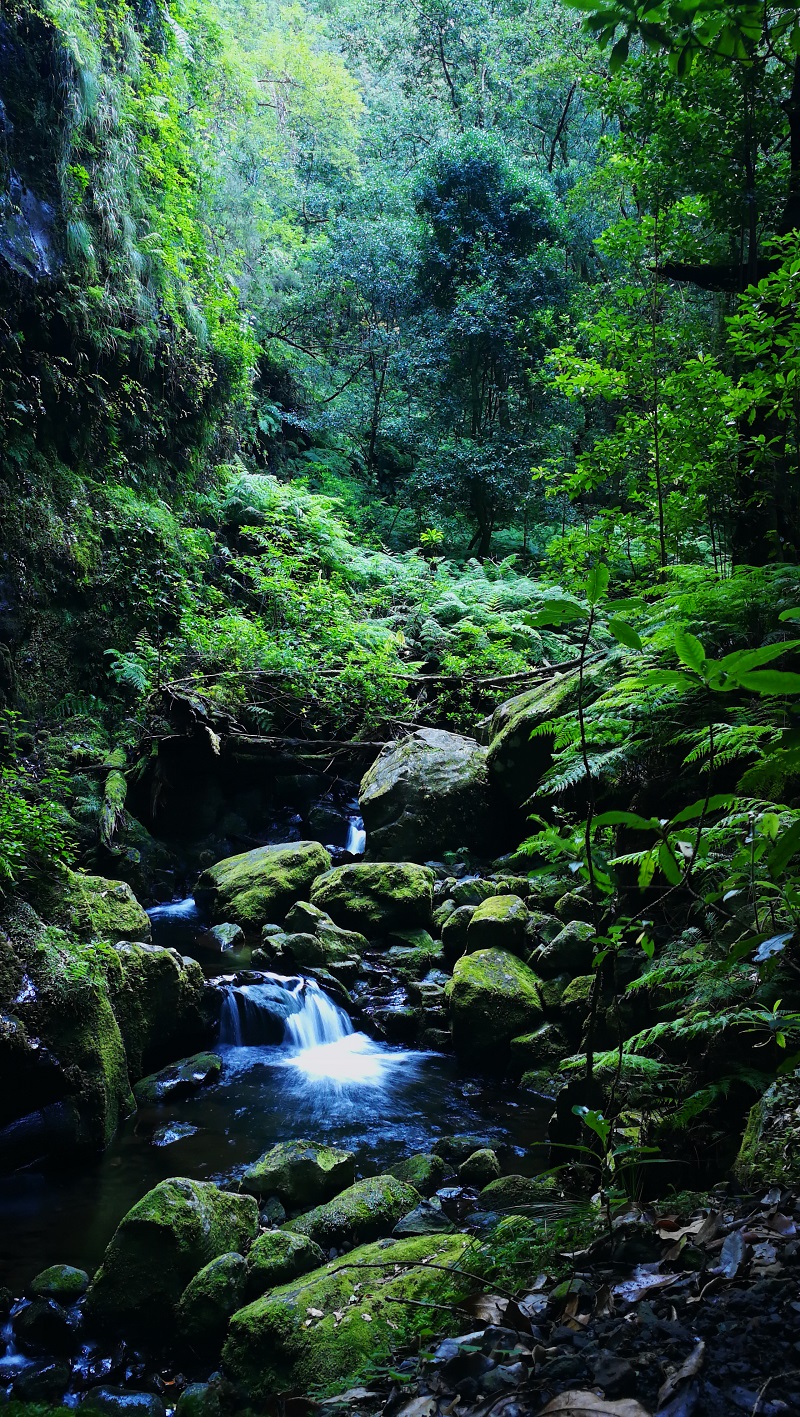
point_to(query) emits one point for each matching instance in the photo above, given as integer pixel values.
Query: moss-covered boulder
(300, 1173)
(544, 1047)
(479, 1169)
(278, 1256)
(571, 951)
(375, 898)
(512, 1193)
(207, 1302)
(96, 908)
(413, 960)
(366, 1211)
(157, 996)
(261, 885)
(426, 794)
(574, 1003)
(457, 1147)
(499, 923)
(318, 1332)
(426, 1172)
(62, 1282)
(178, 1081)
(168, 1236)
(770, 1150)
(494, 997)
(573, 906)
(517, 761)
(455, 931)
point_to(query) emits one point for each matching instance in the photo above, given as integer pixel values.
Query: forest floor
(671, 1315)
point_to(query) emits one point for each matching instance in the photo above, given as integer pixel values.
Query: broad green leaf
(743, 661)
(770, 681)
(794, 613)
(715, 804)
(626, 819)
(618, 54)
(597, 583)
(669, 865)
(690, 651)
(624, 633)
(783, 851)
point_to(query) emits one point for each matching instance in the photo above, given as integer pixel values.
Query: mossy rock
(571, 951)
(456, 1148)
(573, 906)
(261, 885)
(300, 1173)
(180, 1080)
(574, 1003)
(770, 1149)
(278, 1256)
(516, 760)
(162, 1242)
(96, 908)
(499, 923)
(424, 794)
(473, 890)
(479, 1169)
(376, 898)
(413, 961)
(426, 1172)
(545, 1047)
(366, 1211)
(207, 1302)
(157, 996)
(494, 997)
(62, 1282)
(272, 1347)
(304, 918)
(455, 931)
(517, 1192)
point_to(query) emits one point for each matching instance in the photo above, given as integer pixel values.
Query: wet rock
(61, 1282)
(278, 1256)
(500, 923)
(208, 1301)
(570, 952)
(472, 890)
(172, 1132)
(199, 1400)
(225, 936)
(180, 1080)
(455, 930)
(305, 918)
(456, 1148)
(43, 1326)
(425, 1172)
(157, 996)
(479, 1169)
(543, 1048)
(427, 1218)
(167, 1237)
(574, 1003)
(272, 1212)
(434, 1040)
(425, 792)
(261, 885)
(42, 1382)
(517, 761)
(398, 1023)
(300, 1173)
(494, 997)
(510, 1193)
(770, 1149)
(376, 898)
(121, 1402)
(311, 1334)
(366, 1211)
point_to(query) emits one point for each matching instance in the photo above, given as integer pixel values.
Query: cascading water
(356, 842)
(313, 1035)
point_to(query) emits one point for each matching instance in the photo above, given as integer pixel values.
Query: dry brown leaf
(588, 1404)
(688, 1369)
(488, 1308)
(642, 1281)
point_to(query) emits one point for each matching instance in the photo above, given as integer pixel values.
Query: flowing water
(322, 1081)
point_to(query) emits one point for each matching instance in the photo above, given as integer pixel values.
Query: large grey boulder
(425, 795)
(261, 885)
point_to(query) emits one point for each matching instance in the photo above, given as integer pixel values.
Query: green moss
(179, 1080)
(770, 1149)
(300, 1173)
(95, 908)
(61, 1282)
(364, 1212)
(261, 885)
(168, 1236)
(427, 792)
(494, 997)
(501, 923)
(517, 1192)
(426, 1172)
(377, 898)
(278, 1256)
(273, 1347)
(157, 996)
(208, 1301)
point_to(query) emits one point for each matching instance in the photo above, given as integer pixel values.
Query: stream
(325, 1081)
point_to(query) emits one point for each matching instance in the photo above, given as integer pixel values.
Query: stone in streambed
(43, 1382)
(199, 1400)
(511, 1193)
(61, 1282)
(208, 1301)
(376, 898)
(479, 1169)
(494, 997)
(43, 1326)
(424, 793)
(426, 1172)
(455, 1149)
(300, 1173)
(261, 885)
(278, 1256)
(225, 936)
(121, 1402)
(366, 1211)
(501, 923)
(455, 931)
(543, 1047)
(308, 1335)
(427, 1218)
(162, 1242)
(180, 1080)
(571, 951)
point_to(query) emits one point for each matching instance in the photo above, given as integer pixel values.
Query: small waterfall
(12, 1362)
(281, 1010)
(356, 842)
